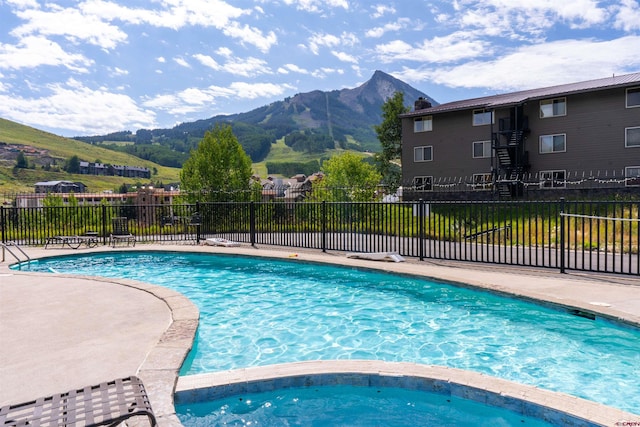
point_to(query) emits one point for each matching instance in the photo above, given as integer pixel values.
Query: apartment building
(542, 139)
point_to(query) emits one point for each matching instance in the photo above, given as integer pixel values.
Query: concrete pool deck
(93, 331)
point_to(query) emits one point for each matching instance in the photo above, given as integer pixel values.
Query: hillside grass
(280, 152)
(62, 149)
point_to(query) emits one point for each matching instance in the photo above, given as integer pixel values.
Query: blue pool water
(351, 406)
(260, 311)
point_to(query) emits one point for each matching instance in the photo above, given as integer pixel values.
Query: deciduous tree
(347, 177)
(218, 169)
(390, 137)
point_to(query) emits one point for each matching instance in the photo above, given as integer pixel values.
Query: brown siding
(595, 127)
(452, 140)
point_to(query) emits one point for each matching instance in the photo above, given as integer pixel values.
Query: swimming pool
(258, 312)
(349, 406)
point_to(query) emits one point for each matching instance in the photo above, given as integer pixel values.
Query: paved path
(58, 334)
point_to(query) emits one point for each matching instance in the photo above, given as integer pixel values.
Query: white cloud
(71, 24)
(224, 51)
(258, 90)
(182, 62)
(528, 16)
(324, 72)
(378, 32)
(247, 67)
(92, 20)
(345, 57)
(193, 100)
(68, 105)
(292, 68)
(161, 59)
(317, 5)
(207, 61)
(23, 4)
(627, 17)
(116, 71)
(37, 51)
(538, 66)
(318, 40)
(452, 47)
(251, 35)
(380, 10)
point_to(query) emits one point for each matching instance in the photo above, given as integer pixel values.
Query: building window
(482, 181)
(553, 107)
(632, 137)
(633, 97)
(481, 149)
(422, 124)
(423, 183)
(553, 179)
(553, 143)
(423, 154)
(632, 175)
(482, 117)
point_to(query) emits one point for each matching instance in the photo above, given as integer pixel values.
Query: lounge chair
(377, 256)
(120, 233)
(217, 241)
(74, 242)
(105, 404)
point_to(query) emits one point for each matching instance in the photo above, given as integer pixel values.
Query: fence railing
(598, 236)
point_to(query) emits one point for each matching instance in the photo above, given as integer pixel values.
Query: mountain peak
(380, 87)
(311, 121)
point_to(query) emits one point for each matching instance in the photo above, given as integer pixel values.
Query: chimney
(421, 104)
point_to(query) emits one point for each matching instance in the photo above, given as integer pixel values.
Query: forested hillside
(312, 122)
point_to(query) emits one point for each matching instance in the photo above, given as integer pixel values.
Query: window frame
(482, 112)
(564, 150)
(552, 101)
(415, 150)
(473, 149)
(552, 179)
(634, 180)
(626, 137)
(626, 97)
(423, 119)
(484, 183)
(428, 178)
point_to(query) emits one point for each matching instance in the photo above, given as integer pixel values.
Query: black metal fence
(593, 236)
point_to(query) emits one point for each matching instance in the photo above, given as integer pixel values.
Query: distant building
(46, 187)
(146, 199)
(294, 189)
(101, 169)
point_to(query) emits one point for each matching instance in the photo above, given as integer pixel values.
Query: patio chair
(106, 404)
(120, 232)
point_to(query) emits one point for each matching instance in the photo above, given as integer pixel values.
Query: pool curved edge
(553, 407)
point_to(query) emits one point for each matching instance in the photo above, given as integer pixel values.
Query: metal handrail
(492, 230)
(6, 246)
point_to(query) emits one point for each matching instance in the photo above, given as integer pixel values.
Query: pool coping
(159, 371)
(553, 407)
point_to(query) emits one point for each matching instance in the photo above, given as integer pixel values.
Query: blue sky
(97, 66)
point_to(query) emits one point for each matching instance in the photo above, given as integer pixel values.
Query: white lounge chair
(218, 241)
(377, 256)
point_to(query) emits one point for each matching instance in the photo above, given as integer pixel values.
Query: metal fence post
(199, 222)
(323, 225)
(562, 235)
(3, 227)
(252, 220)
(421, 219)
(104, 224)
